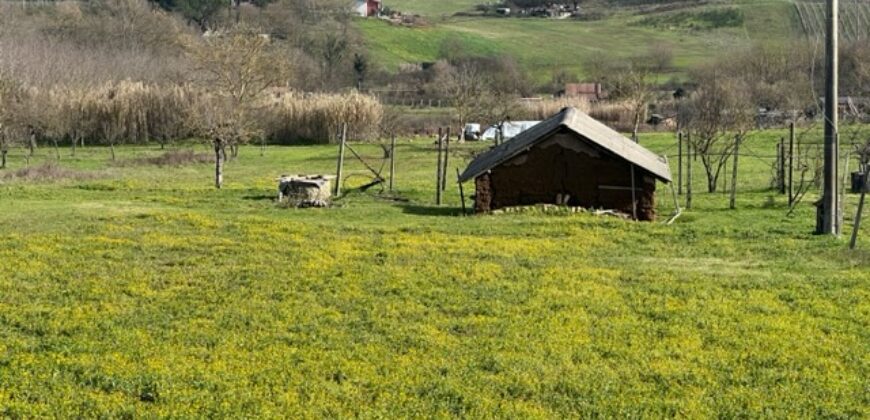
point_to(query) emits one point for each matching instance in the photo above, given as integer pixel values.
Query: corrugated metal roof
(584, 126)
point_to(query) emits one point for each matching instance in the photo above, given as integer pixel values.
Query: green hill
(543, 46)
(433, 8)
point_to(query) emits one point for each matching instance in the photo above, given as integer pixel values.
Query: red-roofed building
(367, 8)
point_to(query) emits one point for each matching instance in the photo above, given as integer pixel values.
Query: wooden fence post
(680, 162)
(444, 164)
(461, 192)
(438, 170)
(689, 157)
(791, 139)
(633, 195)
(781, 163)
(733, 202)
(857, 226)
(338, 171)
(392, 161)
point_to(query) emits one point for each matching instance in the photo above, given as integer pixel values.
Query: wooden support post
(689, 157)
(338, 171)
(633, 195)
(841, 196)
(218, 165)
(461, 192)
(392, 161)
(438, 170)
(781, 163)
(791, 139)
(444, 164)
(857, 227)
(680, 162)
(733, 202)
(677, 210)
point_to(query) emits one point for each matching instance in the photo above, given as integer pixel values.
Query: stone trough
(305, 190)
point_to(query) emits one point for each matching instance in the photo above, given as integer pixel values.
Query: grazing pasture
(134, 289)
(544, 46)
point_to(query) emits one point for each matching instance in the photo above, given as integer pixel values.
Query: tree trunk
(56, 149)
(219, 155)
(3, 157)
(73, 143)
(636, 126)
(32, 144)
(711, 172)
(112, 148)
(712, 181)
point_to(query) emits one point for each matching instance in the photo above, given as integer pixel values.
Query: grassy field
(546, 45)
(433, 8)
(137, 290)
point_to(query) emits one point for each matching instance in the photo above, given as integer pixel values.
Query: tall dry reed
(290, 117)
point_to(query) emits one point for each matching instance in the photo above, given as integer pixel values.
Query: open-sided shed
(569, 159)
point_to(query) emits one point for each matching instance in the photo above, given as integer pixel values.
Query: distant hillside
(432, 8)
(854, 18)
(544, 46)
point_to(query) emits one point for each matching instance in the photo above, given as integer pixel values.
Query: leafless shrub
(717, 115)
(89, 43)
(172, 158)
(47, 172)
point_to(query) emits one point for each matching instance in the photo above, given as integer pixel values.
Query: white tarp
(511, 129)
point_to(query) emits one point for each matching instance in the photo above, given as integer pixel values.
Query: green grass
(433, 8)
(144, 292)
(545, 46)
(542, 46)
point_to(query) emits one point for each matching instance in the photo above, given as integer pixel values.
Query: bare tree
(333, 49)
(238, 67)
(628, 80)
(463, 85)
(360, 68)
(718, 115)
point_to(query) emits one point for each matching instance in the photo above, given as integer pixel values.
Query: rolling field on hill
(133, 290)
(433, 8)
(543, 46)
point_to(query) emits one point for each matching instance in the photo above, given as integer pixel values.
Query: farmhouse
(570, 159)
(366, 8)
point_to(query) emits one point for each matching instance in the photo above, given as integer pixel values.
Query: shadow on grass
(259, 197)
(420, 210)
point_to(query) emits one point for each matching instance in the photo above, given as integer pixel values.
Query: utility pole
(830, 205)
